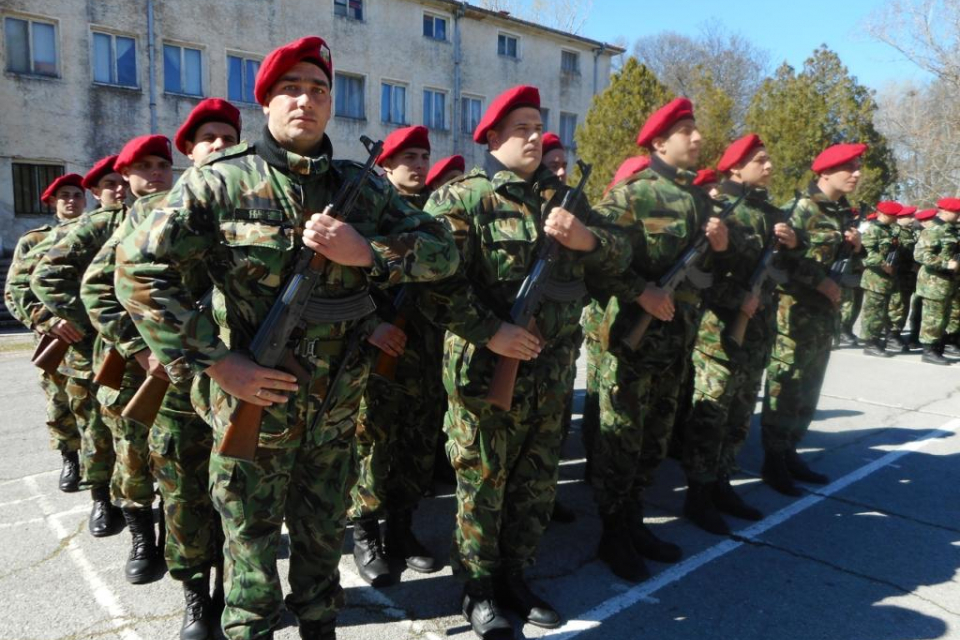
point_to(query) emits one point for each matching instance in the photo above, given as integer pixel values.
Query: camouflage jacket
(879, 242)
(17, 287)
(240, 217)
(938, 245)
(907, 268)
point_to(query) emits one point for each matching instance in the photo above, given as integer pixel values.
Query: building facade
(80, 77)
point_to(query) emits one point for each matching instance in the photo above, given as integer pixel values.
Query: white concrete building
(80, 77)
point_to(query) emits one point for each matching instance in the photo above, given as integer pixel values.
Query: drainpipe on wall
(457, 79)
(596, 67)
(151, 58)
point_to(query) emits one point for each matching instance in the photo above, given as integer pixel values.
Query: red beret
(310, 49)
(738, 151)
(69, 180)
(837, 155)
(628, 167)
(209, 110)
(417, 137)
(705, 176)
(926, 214)
(872, 216)
(907, 211)
(142, 146)
(664, 118)
(551, 141)
(441, 168)
(519, 96)
(949, 204)
(103, 167)
(889, 208)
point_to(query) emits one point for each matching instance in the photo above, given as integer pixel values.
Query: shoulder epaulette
(46, 228)
(237, 150)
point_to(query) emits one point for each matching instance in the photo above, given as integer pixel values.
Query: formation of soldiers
(673, 280)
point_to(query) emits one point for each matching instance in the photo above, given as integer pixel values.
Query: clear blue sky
(789, 30)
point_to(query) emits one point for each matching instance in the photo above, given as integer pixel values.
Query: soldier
(662, 214)
(938, 253)
(248, 238)
(66, 195)
(443, 171)
(807, 317)
(555, 156)
(400, 418)
(881, 241)
(727, 374)
(507, 461)
(903, 300)
(709, 181)
(851, 293)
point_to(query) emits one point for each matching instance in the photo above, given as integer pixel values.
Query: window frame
(395, 84)
(435, 17)
(40, 185)
(113, 35)
(576, 55)
(363, 91)
(30, 20)
(446, 121)
(509, 35)
(571, 143)
(244, 58)
(346, 15)
(463, 122)
(183, 46)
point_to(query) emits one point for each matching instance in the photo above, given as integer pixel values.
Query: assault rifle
(50, 353)
(842, 271)
(111, 371)
(386, 364)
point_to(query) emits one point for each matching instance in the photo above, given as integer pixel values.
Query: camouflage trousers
(875, 318)
(953, 324)
(851, 302)
(506, 462)
(899, 307)
(131, 485)
(935, 320)
(180, 443)
(97, 455)
(61, 422)
(590, 423)
(798, 364)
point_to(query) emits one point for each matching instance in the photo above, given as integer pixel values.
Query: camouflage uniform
(906, 277)
(506, 463)
(806, 323)
(937, 245)
(879, 242)
(240, 217)
(590, 321)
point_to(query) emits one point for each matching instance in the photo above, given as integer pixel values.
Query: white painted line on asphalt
(24, 478)
(19, 523)
(104, 596)
(886, 405)
(20, 501)
(595, 617)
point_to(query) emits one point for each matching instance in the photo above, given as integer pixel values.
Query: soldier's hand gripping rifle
(765, 271)
(529, 299)
(687, 268)
(271, 344)
(842, 271)
(386, 364)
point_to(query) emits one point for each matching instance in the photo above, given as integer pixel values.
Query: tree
(926, 32)
(565, 15)
(608, 134)
(714, 111)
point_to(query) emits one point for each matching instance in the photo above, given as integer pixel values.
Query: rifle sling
(569, 291)
(332, 310)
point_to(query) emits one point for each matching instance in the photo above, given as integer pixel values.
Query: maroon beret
(519, 96)
(889, 208)
(872, 216)
(837, 155)
(628, 167)
(551, 141)
(907, 211)
(949, 204)
(417, 137)
(142, 146)
(68, 180)
(705, 176)
(209, 110)
(442, 167)
(310, 49)
(738, 151)
(664, 118)
(104, 166)
(926, 214)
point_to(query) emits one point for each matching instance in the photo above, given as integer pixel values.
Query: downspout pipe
(457, 80)
(151, 60)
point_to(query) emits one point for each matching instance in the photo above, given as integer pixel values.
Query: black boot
(70, 472)
(562, 513)
(368, 553)
(932, 356)
(950, 346)
(648, 545)
(513, 593)
(729, 501)
(700, 510)
(483, 613)
(145, 560)
(218, 599)
(198, 619)
(799, 469)
(400, 544)
(895, 340)
(847, 339)
(618, 552)
(318, 629)
(874, 348)
(776, 474)
(105, 519)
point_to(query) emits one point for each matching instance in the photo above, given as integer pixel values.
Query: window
(434, 109)
(29, 181)
(182, 70)
(434, 27)
(570, 62)
(568, 126)
(348, 96)
(114, 60)
(348, 8)
(393, 103)
(545, 118)
(470, 111)
(507, 46)
(241, 76)
(31, 47)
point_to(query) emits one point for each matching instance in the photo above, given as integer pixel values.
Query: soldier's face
(407, 170)
(905, 221)
(110, 190)
(885, 220)
(948, 216)
(842, 179)
(756, 171)
(680, 146)
(69, 202)
(147, 175)
(556, 161)
(299, 107)
(517, 141)
(210, 138)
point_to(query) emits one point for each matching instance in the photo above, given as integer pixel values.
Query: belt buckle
(308, 348)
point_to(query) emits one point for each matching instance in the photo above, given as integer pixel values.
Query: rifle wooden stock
(738, 329)
(632, 339)
(243, 432)
(45, 340)
(145, 403)
(386, 364)
(50, 358)
(504, 380)
(111, 371)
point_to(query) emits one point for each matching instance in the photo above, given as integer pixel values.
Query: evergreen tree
(714, 111)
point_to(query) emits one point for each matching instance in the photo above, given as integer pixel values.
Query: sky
(789, 30)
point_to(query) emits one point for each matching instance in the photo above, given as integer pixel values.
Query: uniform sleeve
(929, 250)
(811, 265)
(876, 244)
(623, 208)
(17, 285)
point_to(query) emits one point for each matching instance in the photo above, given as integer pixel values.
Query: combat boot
(218, 599)
(950, 346)
(318, 629)
(145, 560)
(198, 619)
(799, 469)
(648, 545)
(873, 347)
(895, 340)
(514, 594)
(700, 510)
(105, 519)
(400, 544)
(848, 339)
(618, 552)
(483, 613)
(70, 472)
(729, 501)
(932, 356)
(775, 473)
(368, 553)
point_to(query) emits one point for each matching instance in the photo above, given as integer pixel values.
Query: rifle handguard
(632, 339)
(111, 371)
(504, 379)
(145, 403)
(243, 432)
(50, 358)
(386, 364)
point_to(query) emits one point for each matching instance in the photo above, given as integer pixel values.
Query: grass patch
(17, 345)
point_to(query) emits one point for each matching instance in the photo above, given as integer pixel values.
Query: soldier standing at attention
(938, 253)
(506, 462)
(807, 317)
(555, 156)
(248, 240)
(902, 300)
(445, 170)
(881, 241)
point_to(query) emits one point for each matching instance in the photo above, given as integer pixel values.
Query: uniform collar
(671, 173)
(317, 163)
